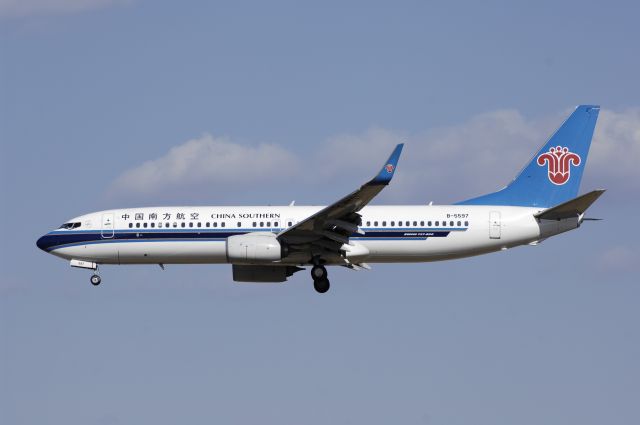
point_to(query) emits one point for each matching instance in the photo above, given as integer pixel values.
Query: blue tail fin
(553, 175)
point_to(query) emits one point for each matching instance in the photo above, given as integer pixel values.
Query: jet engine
(252, 248)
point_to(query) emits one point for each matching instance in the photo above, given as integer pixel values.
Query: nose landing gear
(95, 279)
(320, 282)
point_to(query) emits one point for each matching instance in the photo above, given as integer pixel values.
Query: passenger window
(144, 225)
(429, 224)
(183, 224)
(384, 223)
(275, 224)
(375, 223)
(254, 224)
(400, 224)
(239, 224)
(153, 224)
(268, 224)
(215, 224)
(191, 224)
(199, 224)
(437, 224)
(137, 224)
(262, 224)
(208, 224)
(415, 223)
(166, 224)
(451, 223)
(130, 225)
(422, 223)
(175, 224)
(368, 223)
(459, 224)
(222, 224)
(466, 223)
(290, 224)
(393, 223)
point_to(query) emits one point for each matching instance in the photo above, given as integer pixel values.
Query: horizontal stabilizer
(573, 208)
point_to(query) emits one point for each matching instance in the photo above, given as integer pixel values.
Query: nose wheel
(320, 282)
(95, 280)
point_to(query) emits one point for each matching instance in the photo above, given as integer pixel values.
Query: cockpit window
(74, 225)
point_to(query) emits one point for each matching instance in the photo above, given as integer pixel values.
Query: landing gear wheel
(95, 280)
(318, 272)
(321, 285)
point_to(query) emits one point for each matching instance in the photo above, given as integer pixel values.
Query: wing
(327, 230)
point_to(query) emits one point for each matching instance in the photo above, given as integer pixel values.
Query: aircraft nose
(42, 242)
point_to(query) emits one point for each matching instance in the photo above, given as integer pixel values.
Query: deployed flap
(572, 208)
(332, 226)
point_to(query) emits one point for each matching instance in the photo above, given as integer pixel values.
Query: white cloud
(444, 164)
(206, 161)
(615, 152)
(24, 8)
(484, 153)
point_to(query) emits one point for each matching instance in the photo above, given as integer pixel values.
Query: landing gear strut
(319, 272)
(320, 281)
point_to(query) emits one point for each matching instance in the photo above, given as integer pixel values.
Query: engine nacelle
(251, 248)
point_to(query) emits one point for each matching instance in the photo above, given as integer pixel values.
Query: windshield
(70, 225)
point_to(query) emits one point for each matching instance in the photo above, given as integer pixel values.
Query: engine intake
(251, 248)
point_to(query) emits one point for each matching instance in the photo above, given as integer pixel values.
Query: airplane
(271, 243)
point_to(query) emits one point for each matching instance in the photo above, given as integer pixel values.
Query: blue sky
(116, 103)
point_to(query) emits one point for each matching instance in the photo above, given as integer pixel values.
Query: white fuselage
(166, 235)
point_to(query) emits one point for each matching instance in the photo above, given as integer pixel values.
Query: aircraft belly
(182, 252)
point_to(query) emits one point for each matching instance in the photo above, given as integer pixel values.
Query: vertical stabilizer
(553, 175)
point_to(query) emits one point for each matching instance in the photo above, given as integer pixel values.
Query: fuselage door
(494, 225)
(107, 226)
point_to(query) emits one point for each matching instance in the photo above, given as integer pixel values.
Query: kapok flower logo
(559, 161)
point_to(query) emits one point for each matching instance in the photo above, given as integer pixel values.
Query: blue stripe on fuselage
(60, 239)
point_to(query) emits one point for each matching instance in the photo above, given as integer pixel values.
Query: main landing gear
(320, 281)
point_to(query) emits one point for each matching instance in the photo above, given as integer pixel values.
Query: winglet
(386, 173)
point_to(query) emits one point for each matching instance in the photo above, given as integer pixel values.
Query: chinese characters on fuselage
(194, 216)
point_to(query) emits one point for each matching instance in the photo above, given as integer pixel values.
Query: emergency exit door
(494, 225)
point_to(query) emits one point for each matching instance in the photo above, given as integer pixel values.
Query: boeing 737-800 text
(269, 244)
